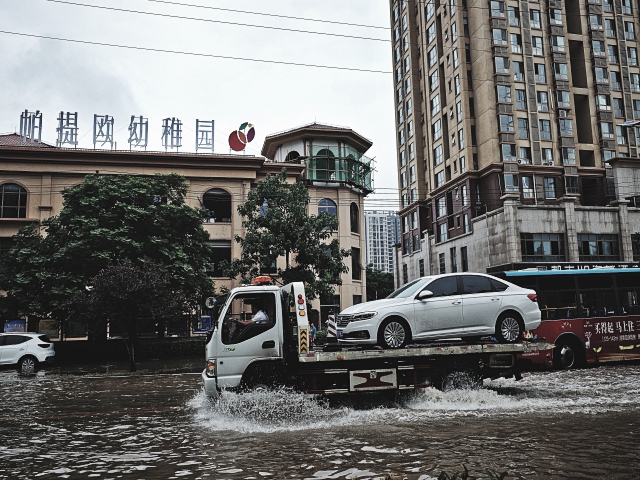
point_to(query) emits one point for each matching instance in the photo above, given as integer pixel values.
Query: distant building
(382, 232)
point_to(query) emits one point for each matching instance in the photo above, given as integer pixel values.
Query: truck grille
(343, 320)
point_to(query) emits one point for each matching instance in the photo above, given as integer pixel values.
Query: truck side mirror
(424, 294)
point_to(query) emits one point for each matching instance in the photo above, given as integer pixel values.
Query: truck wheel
(27, 365)
(568, 354)
(393, 334)
(509, 328)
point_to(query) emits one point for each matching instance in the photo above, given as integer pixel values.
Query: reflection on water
(582, 424)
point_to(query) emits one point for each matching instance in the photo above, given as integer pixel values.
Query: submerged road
(580, 424)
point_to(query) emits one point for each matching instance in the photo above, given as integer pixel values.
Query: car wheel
(567, 355)
(27, 365)
(393, 334)
(509, 328)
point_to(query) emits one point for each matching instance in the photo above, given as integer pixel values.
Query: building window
(523, 128)
(598, 247)
(429, 9)
(514, 16)
(436, 130)
(549, 187)
(435, 105)
(442, 262)
(555, 16)
(405, 274)
(356, 266)
(499, 36)
(563, 99)
(218, 204)
(441, 207)
(431, 33)
(534, 16)
(543, 101)
(421, 267)
(515, 40)
(464, 258)
(635, 246)
(560, 71)
(459, 112)
(454, 260)
(547, 156)
(461, 139)
(612, 52)
(632, 56)
(440, 178)
(354, 214)
(508, 151)
(497, 9)
(327, 205)
(566, 127)
(626, 7)
(527, 186)
(518, 71)
(504, 93)
(606, 130)
(433, 81)
(521, 99)
(571, 185)
(542, 247)
(510, 182)
(536, 46)
(545, 130)
(416, 242)
(506, 123)
(438, 155)
(540, 73)
(442, 232)
(14, 201)
(569, 156)
(602, 75)
(597, 48)
(501, 64)
(220, 252)
(621, 135)
(465, 223)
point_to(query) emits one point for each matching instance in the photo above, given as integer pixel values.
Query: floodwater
(577, 424)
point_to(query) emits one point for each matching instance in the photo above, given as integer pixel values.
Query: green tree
(106, 221)
(129, 298)
(379, 283)
(277, 225)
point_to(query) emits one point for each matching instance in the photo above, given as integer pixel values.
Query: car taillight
(533, 297)
(44, 345)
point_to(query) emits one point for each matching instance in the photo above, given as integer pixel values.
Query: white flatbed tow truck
(260, 337)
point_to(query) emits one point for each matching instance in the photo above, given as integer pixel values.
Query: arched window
(291, 156)
(325, 165)
(354, 214)
(327, 205)
(13, 201)
(218, 202)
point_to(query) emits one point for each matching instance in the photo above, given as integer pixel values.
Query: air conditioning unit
(548, 163)
(526, 161)
(562, 113)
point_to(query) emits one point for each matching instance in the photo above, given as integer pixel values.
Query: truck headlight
(363, 316)
(210, 368)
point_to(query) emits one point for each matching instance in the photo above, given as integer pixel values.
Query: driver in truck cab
(259, 316)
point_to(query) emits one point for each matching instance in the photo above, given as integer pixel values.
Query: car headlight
(363, 316)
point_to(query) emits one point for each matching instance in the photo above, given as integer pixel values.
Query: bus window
(557, 305)
(598, 281)
(554, 284)
(598, 303)
(629, 301)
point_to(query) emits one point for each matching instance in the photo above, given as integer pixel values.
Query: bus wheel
(567, 354)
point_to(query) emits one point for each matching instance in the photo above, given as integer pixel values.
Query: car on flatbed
(25, 350)
(457, 305)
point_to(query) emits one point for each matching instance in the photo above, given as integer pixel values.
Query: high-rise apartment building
(511, 102)
(382, 232)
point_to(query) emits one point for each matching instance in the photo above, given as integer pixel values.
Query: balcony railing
(353, 168)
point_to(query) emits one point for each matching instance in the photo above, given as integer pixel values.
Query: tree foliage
(277, 225)
(379, 283)
(106, 221)
(128, 298)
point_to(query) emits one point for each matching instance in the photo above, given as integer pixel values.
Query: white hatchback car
(456, 305)
(26, 350)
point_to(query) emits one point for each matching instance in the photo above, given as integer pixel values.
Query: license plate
(339, 333)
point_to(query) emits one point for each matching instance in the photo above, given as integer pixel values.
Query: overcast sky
(53, 76)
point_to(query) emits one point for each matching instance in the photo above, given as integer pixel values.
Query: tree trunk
(132, 355)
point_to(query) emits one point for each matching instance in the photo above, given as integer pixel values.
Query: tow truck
(244, 354)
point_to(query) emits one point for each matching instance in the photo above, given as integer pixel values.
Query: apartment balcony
(351, 169)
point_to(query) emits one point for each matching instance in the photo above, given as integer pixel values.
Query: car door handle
(457, 302)
(495, 299)
(269, 344)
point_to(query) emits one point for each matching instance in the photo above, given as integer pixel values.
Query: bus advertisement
(591, 315)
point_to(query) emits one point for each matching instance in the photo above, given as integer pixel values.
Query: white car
(26, 350)
(456, 305)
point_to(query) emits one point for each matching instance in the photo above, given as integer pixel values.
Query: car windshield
(410, 288)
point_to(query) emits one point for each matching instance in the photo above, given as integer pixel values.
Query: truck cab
(248, 343)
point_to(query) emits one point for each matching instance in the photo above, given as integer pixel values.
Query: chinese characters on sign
(138, 132)
(612, 331)
(103, 130)
(104, 134)
(204, 134)
(67, 129)
(171, 133)
(31, 127)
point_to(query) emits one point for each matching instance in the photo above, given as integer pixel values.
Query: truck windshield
(410, 288)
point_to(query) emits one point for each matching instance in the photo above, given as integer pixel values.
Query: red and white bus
(591, 315)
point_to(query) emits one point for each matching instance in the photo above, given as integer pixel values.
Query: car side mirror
(424, 294)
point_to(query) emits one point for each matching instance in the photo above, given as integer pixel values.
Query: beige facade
(509, 97)
(33, 178)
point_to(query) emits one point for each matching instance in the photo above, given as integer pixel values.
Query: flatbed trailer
(278, 353)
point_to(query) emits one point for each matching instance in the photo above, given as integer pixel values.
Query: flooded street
(579, 424)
